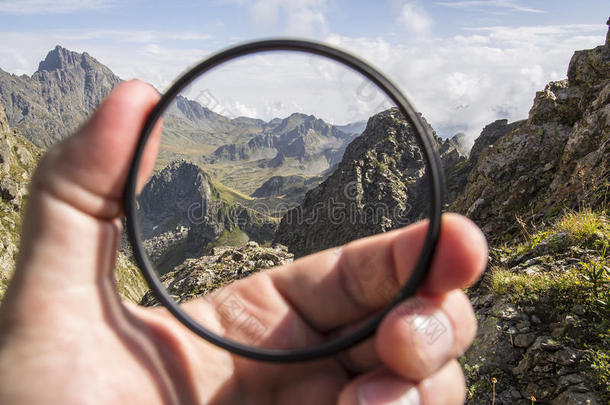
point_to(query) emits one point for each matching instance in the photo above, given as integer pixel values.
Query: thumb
(71, 231)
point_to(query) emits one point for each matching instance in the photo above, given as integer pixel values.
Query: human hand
(66, 337)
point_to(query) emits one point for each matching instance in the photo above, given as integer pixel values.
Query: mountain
(278, 186)
(379, 185)
(556, 159)
(311, 144)
(355, 128)
(18, 158)
(241, 152)
(183, 212)
(539, 189)
(57, 98)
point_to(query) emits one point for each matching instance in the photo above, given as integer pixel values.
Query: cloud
(135, 36)
(487, 5)
(465, 82)
(153, 56)
(293, 17)
(51, 6)
(414, 19)
(459, 83)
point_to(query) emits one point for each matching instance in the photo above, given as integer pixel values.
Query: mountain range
(537, 187)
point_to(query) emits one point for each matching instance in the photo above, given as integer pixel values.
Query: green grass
(228, 194)
(585, 283)
(236, 237)
(597, 363)
(562, 288)
(585, 228)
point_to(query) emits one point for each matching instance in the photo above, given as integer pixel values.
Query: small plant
(596, 271)
(533, 399)
(581, 225)
(493, 393)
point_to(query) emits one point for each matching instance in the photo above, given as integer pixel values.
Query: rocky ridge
(543, 323)
(57, 98)
(200, 276)
(314, 144)
(556, 159)
(18, 158)
(379, 185)
(182, 211)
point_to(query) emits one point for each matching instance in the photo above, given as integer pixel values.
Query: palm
(65, 336)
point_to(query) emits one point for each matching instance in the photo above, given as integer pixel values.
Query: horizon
(463, 64)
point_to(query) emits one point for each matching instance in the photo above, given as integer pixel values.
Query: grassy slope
(585, 283)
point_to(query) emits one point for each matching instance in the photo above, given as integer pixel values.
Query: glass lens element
(265, 159)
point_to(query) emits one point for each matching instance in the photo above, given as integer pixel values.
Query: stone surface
(379, 185)
(181, 211)
(57, 98)
(198, 277)
(555, 159)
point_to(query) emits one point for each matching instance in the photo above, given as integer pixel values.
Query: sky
(462, 63)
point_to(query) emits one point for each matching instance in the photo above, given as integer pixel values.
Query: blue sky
(463, 63)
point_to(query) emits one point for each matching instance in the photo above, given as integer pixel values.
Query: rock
(537, 165)
(575, 398)
(567, 356)
(18, 158)
(524, 340)
(181, 212)
(379, 185)
(198, 277)
(507, 312)
(57, 98)
(578, 309)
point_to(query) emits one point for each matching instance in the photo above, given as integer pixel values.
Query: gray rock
(57, 98)
(524, 340)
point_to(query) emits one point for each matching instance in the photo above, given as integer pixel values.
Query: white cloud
(491, 5)
(293, 17)
(459, 84)
(465, 82)
(136, 36)
(51, 6)
(415, 19)
(156, 57)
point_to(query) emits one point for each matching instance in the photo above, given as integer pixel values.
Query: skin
(66, 337)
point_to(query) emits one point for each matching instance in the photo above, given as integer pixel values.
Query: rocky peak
(199, 114)
(58, 97)
(182, 210)
(460, 143)
(557, 158)
(378, 185)
(60, 58)
(166, 198)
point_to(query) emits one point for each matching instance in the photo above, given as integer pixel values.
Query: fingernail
(434, 335)
(388, 391)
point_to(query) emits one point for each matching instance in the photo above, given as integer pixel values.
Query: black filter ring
(425, 141)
